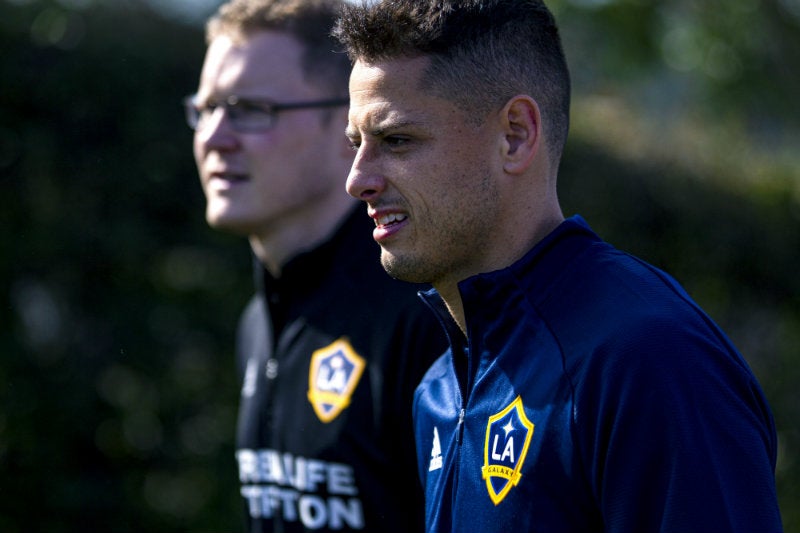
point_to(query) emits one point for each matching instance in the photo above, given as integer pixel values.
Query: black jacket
(330, 355)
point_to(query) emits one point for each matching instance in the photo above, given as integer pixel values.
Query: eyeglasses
(247, 115)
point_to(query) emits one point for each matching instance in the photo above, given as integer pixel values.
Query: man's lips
(387, 224)
(391, 218)
(228, 175)
(226, 179)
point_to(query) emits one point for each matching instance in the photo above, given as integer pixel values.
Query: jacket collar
(484, 296)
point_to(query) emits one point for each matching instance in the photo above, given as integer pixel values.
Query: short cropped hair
(308, 21)
(482, 52)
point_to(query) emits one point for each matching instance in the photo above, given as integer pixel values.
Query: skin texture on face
(426, 173)
(282, 187)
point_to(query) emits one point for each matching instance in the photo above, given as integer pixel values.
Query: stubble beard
(410, 269)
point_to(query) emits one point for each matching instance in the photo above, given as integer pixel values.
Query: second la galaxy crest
(332, 377)
(508, 435)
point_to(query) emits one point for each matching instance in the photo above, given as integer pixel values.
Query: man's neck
(452, 300)
(275, 249)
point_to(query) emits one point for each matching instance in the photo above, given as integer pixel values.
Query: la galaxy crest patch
(508, 435)
(332, 377)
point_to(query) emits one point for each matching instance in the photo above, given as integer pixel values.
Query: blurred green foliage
(117, 375)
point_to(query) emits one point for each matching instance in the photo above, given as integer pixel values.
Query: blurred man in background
(330, 348)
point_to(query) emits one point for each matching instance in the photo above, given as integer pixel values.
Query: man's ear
(522, 124)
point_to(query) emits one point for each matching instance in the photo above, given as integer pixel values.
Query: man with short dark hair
(584, 391)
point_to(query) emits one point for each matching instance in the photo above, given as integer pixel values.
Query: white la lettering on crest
(508, 451)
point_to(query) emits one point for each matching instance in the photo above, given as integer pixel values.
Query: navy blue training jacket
(592, 395)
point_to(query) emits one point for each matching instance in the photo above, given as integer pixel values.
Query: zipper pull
(460, 427)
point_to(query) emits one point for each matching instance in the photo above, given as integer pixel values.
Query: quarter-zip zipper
(460, 426)
(461, 367)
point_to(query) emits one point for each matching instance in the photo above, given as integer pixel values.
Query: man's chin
(228, 224)
(404, 268)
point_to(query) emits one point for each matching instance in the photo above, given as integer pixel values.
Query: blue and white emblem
(508, 435)
(332, 377)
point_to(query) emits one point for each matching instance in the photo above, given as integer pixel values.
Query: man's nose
(216, 132)
(365, 181)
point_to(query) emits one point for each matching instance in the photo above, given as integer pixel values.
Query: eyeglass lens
(241, 114)
(247, 115)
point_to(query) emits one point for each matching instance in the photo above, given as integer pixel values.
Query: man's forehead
(389, 73)
(385, 94)
(263, 63)
(379, 117)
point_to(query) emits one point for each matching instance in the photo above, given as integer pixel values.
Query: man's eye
(251, 109)
(354, 145)
(395, 140)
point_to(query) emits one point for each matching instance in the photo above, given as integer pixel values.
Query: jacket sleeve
(677, 434)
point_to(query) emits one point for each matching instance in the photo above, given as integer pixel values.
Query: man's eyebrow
(381, 129)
